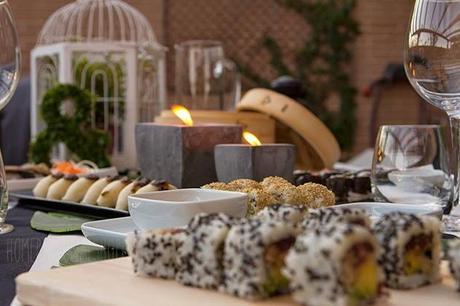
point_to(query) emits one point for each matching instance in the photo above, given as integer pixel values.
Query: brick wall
(242, 23)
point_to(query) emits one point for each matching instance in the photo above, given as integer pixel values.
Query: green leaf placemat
(88, 253)
(56, 222)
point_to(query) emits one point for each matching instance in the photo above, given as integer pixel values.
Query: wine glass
(432, 63)
(204, 78)
(9, 77)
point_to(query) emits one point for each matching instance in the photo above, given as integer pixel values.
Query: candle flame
(183, 113)
(251, 139)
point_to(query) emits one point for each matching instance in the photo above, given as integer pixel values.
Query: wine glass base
(6, 228)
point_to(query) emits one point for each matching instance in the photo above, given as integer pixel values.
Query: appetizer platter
(90, 194)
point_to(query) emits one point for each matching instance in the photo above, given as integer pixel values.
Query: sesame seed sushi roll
(201, 255)
(336, 265)
(283, 212)
(410, 249)
(321, 217)
(453, 255)
(254, 256)
(154, 253)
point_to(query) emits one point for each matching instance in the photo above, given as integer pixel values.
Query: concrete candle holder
(254, 162)
(182, 155)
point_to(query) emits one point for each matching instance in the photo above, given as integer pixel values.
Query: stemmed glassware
(9, 77)
(432, 63)
(204, 78)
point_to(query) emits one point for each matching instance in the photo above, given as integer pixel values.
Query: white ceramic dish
(174, 208)
(109, 233)
(112, 232)
(376, 210)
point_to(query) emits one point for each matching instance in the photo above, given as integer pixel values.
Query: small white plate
(376, 209)
(109, 233)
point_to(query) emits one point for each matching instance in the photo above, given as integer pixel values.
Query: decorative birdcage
(109, 48)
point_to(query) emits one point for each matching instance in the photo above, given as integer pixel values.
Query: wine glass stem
(455, 163)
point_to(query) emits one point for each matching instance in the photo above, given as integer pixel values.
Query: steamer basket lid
(317, 148)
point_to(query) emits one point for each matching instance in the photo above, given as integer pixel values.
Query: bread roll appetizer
(109, 195)
(41, 189)
(95, 190)
(58, 189)
(77, 190)
(122, 201)
(156, 186)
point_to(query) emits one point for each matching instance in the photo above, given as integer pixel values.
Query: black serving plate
(26, 198)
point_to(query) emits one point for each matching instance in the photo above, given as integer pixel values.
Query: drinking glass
(9, 77)
(411, 166)
(432, 63)
(204, 78)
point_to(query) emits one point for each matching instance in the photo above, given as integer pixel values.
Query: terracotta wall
(242, 23)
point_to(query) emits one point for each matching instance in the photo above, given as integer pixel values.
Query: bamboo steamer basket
(317, 147)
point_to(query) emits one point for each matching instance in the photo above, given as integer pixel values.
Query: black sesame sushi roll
(453, 255)
(283, 212)
(410, 249)
(334, 266)
(321, 217)
(201, 255)
(254, 256)
(154, 253)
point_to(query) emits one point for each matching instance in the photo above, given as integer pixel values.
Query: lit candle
(182, 154)
(254, 160)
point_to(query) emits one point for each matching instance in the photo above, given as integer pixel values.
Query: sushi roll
(273, 181)
(58, 189)
(410, 249)
(200, 256)
(122, 200)
(315, 195)
(95, 190)
(77, 190)
(217, 186)
(41, 189)
(153, 253)
(334, 266)
(257, 200)
(109, 195)
(453, 255)
(318, 218)
(254, 255)
(283, 212)
(156, 186)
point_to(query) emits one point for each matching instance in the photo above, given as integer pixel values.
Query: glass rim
(418, 126)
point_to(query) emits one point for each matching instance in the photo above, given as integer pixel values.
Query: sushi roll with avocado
(200, 257)
(320, 217)
(334, 266)
(254, 255)
(410, 249)
(153, 253)
(283, 212)
(453, 255)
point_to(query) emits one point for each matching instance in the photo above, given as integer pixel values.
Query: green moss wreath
(74, 131)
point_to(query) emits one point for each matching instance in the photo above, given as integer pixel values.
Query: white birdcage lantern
(109, 48)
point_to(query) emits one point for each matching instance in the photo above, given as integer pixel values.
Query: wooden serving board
(112, 282)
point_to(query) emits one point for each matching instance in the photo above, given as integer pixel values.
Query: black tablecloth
(18, 251)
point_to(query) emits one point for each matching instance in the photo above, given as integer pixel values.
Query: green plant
(321, 64)
(73, 130)
(106, 80)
